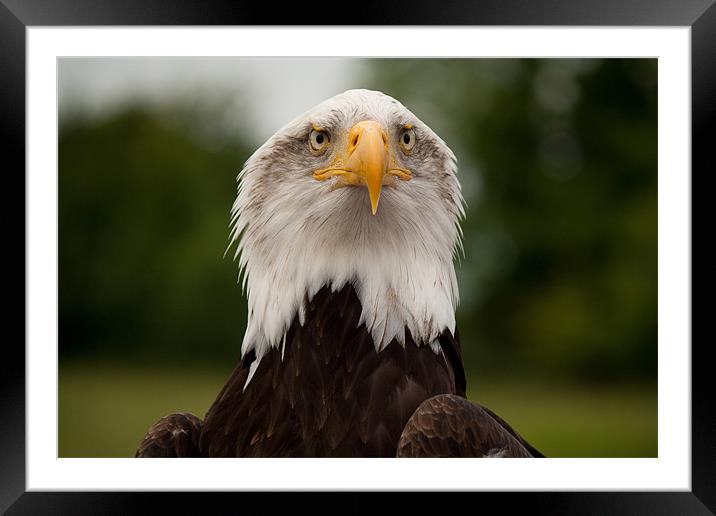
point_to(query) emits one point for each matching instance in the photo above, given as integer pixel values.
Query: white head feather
(296, 234)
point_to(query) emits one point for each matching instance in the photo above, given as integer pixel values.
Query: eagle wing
(450, 345)
(175, 435)
(451, 426)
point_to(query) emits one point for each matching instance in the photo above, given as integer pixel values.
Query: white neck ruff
(402, 273)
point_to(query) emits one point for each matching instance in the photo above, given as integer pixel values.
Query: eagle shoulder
(175, 435)
(451, 426)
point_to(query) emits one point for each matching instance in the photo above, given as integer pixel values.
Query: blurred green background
(558, 162)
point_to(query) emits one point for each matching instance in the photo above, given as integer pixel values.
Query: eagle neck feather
(403, 274)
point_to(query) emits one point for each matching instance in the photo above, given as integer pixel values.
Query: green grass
(105, 410)
(566, 420)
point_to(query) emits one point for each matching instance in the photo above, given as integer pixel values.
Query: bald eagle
(346, 223)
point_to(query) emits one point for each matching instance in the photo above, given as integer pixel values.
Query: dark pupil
(406, 138)
(319, 138)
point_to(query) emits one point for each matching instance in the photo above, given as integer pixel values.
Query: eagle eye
(318, 140)
(407, 139)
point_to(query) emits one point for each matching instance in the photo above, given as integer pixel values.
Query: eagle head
(356, 190)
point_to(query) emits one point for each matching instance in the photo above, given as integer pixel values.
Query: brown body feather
(329, 393)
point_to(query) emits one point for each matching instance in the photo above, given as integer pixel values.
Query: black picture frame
(17, 15)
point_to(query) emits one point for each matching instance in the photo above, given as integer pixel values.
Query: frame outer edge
(703, 113)
(372, 12)
(12, 363)
(12, 111)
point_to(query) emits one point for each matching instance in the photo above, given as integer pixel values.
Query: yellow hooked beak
(368, 157)
(365, 161)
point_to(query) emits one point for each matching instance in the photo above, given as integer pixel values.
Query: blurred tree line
(143, 224)
(558, 161)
